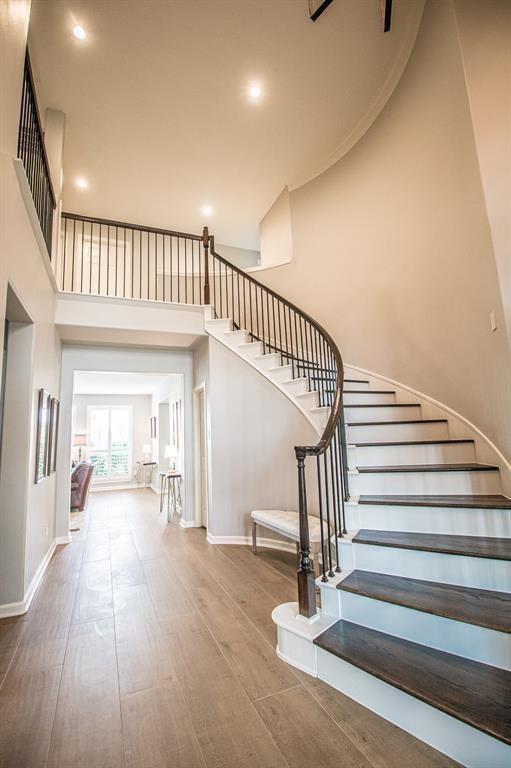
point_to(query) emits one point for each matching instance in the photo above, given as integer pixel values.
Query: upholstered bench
(288, 525)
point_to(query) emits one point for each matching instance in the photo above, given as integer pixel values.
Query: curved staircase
(415, 579)
(417, 624)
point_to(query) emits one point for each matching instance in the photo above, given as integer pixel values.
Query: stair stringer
(214, 328)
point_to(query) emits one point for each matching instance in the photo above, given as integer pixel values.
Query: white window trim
(111, 478)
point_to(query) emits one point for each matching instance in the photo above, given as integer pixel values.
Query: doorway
(201, 455)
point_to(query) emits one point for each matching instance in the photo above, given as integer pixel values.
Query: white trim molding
(189, 523)
(26, 194)
(17, 609)
(285, 546)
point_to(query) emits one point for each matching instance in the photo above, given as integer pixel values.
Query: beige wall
(275, 233)
(392, 249)
(484, 30)
(21, 267)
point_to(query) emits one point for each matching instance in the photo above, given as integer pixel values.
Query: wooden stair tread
(366, 391)
(457, 467)
(492, 501)
(382, 405)
(475, 693)
(472, 546)
(386, 423)
(482, 607)
(384, 444)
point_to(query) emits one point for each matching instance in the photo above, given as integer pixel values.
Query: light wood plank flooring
(146, 647)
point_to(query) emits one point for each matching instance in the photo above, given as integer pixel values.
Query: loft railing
(109, 258)
(32, 152)
(129, 261)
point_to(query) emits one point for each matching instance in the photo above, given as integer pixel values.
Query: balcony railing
(32, 152)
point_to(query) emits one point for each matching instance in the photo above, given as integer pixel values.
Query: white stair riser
(356, 385)
(422, 483)
(389, 432)
(235, 338)
(385, 455)
(250, 350)
(320, 418)
(478, 572)
(296, 386)
(467, 745)
(219, 326)
(468, 640)
(265, 362)
(456, 521)
(308, 400)
(281, 373)
(368, 397)
(381, 413)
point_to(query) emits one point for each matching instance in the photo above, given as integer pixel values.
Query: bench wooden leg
(254, 537)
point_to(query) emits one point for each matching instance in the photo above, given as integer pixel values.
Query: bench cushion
(287, 523)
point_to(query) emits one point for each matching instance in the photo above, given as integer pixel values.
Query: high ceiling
(158, 117)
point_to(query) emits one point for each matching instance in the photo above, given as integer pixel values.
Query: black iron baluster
(327, 505)
(73, 264)
(322, 530)
(91, 252)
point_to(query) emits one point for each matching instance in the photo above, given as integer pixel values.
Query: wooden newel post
(306, 583)
(205, 243)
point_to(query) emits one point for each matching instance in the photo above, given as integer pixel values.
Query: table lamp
(79, 441)
(171, 454)
(146, 450)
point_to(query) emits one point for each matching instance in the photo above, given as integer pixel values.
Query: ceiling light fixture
(82, 183)
(79, 32)
(206, 210)
(255, 91)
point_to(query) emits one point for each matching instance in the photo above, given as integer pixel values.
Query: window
(109, 440)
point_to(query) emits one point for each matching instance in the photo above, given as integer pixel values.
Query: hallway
(147, 647)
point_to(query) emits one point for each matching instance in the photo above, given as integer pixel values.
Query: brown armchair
(80, 483)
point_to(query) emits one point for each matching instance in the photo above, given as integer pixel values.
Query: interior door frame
(201, 388)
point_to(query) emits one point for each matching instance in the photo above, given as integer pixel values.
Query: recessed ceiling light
(255, 91)
(206, 210)
(82, 183)
(79, 32)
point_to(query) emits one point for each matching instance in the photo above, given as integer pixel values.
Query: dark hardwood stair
(491, 501)
(392, 423)
(458, 467)
(481, 607)
(448, 544)
(440, 441)
(477, 694)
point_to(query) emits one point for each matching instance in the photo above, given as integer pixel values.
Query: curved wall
(392, 249)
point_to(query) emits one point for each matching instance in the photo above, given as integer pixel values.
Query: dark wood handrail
(324, 442)
(126, 225)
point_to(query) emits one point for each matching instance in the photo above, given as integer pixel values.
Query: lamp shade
(146, 448)
(80, 440)
(170, 451)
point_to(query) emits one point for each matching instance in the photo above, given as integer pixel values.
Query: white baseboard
(17, 609)
(285, 546)
(122, 487)
(189, 523)
(64, 539)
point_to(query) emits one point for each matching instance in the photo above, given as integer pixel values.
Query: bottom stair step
(481, 607)
(474, 693)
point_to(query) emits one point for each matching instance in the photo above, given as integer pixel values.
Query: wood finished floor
(147, 647)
